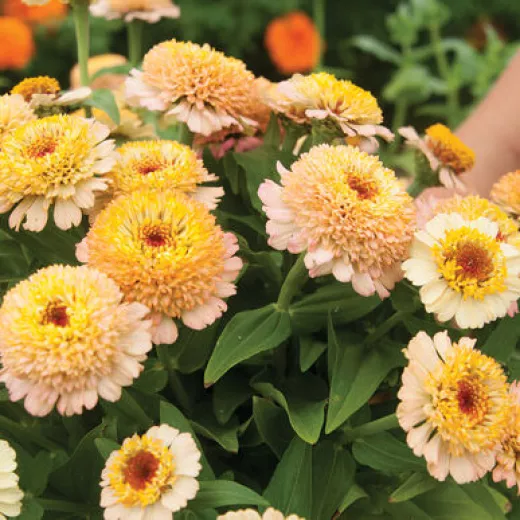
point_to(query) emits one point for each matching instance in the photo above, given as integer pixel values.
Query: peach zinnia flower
(196, 85)
(322, 97)
(454, 406)
(508, 457)
(54, 160)
(347, 211)
(151, 476)
(150, 11)
(251, 514)
(293, 43)
(67, 338)
(10, 493)
(165, 243)
(112, 80)
(14, 112)
(16, 43)
(506, 192)
(447, 155)
(48, 13)
(465, 272)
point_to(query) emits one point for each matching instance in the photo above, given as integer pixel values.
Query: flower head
(506, 192)
(54, 160)
(293, 43)
(251, 514)
(446, 153)
(10, 493)
(150, 11)
(508, 457)
(454, 406)
(67, 338)
(164, 243)
(151, 476)
(16, 43)
(14, 112)
(324, 98)
(347, 211)
(95, 64)
(47, 14)
(196, 85)
(464, 270)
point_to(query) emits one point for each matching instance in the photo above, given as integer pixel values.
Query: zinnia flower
(67, 338)
(506, 192)
(10, 493)
(16, 43)
(150, 11)
(151, 476)
(293, 43)
(447, 155)
(347, 211)
(322, 97)
(165, 251)
(251, 514)
(44, 91)
(196, 85)
(55, 160)
(464, 270)
(454, 406)
(49, 13)
(508, 458)
(111, 81)
(14, 112)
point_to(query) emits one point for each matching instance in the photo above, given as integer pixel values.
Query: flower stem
(383, 424)
(82, 26)
(174, 380)
(135, 42)
(63, 506)
(318, 13)
(400, 113)
(295, 279)
(385, 327)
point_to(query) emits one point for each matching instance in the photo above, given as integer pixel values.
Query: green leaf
(340, 300)
(354, 494)
(290, 488)
(153, 379)
(246, 334)
(273, 425)
(332, 475)
(31, 509)
(228, 394)
(192, 348)
(377, 48)
(504, 338)
(415, 485)
(410, 510)
(117, 69)
(171, 415)
(106, 447)
(129, 410)
(303, 397)
(104, 99)
(356, 375)
(223, 493)
(405, 298)
(383, 452)
(310, 351)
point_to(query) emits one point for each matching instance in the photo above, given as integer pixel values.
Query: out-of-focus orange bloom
(52, 11)
(16, 43)
(293, 43)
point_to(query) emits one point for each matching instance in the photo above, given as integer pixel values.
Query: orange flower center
(56, 314)
(41, 147)
(471, 398)
(141, 469)
(365, 188)
(156, 235)
(473, 262)
(148, 167)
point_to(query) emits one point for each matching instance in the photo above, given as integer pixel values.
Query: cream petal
(462, 470)
(363, 284)
(66, 214)
(164, 433)
(165, 332)
(184, 489)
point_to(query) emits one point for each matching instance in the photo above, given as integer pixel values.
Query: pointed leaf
(105, 100)
(415, 485)
(223, 493)
(310, 351)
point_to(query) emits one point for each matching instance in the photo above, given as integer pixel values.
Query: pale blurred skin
(493, 131)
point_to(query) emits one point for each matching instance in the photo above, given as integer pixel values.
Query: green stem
(174, 380)
(318, 14)
(184, 135)
(295, 279)
(385, 327)
(22, 433)
(416, 188)
(383, 424)
(399, 120)
(63, 506)
(445, 72)
(135, 42)
(81, 23)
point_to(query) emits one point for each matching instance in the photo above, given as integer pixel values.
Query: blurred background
(425, 60)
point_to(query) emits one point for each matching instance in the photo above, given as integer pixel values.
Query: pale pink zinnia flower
(150, 11)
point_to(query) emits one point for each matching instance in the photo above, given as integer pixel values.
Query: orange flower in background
(293, 43)
(16, 43)
(49, 12)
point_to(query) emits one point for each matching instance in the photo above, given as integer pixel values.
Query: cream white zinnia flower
(151, 476)
(464, 270)
(150, 11)
(251, 514)
(10, 493)
(454, 406)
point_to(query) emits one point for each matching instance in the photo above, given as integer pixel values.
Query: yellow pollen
(140, 471)
(471, 262)
(449, 149)
(41, 147)
(38, 85)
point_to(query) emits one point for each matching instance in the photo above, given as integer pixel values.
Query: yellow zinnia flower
(14, 112)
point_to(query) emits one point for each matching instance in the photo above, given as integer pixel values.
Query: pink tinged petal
(433, 451)
(203, 315)
(280, 233)
(409, 133)
(66, 214)
(270, 194)
(82, 251)
(408, 419)
(165, 332)
(18, 389)
(210, 197)
(321, 270)
(164, 433)
(225, 289)
(342, 272)
(136, 311)
(109, 390)
(184, 489)
(513, 309)
(462, 470)
(296, 243)
(363, 284)
(38, 404)
(317, 258)
(418, 437)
